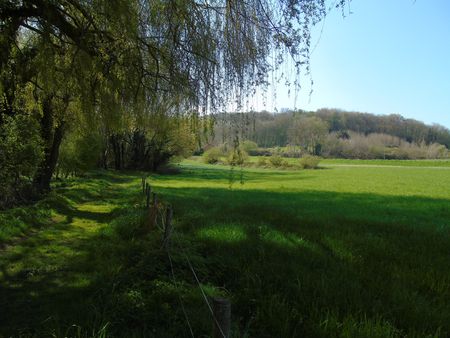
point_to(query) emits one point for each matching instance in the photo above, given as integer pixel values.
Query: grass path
(51, 263)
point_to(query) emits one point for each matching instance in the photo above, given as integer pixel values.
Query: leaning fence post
(167, 228)
(222, 318)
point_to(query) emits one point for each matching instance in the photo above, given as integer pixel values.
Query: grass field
(445, 163)
(356, 249)
(402, 163)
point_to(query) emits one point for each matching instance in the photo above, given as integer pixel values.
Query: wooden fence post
(143, 185)
(167, 228)
(222, 318)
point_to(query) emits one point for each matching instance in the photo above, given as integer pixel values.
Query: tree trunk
(105, 158)
(117, 150)
(122, 155)
(52, 138)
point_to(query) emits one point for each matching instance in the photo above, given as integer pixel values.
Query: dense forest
(335, 133)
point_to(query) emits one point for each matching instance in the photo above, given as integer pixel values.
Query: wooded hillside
(337, 133)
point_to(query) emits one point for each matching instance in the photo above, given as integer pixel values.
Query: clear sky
(387, 56)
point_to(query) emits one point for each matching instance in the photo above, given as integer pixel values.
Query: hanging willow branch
(206, 51)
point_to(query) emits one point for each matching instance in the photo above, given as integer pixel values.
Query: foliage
(308, 133)
(409, 130)
(276, 160)
(262, 161)
(377, 131)
(309, 162)
(237, 157)
(249, 146)
(20, 155)
(212, 155)
(79, 153)
(381, 146)
(114, 66)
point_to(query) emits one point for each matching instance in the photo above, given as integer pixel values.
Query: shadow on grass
(306, 264)
(224, 174)
(292, 259)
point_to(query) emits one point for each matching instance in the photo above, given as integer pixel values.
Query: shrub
(79, 153)
(276, 160)
(21, 152)
(237, 157)
(309, 162)
(285, 164)
(212, 155)
(262, 161)
(249, 146)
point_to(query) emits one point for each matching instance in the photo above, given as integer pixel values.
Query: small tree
(309, 162)
(237, 157)
(212, 155)
(276, 160)
(249, 146)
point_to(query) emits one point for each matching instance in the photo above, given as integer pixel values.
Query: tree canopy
(118, 66)
(335, 133)
(202, 49)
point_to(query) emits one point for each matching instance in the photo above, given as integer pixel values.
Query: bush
(212, 156)
(249, 146)
(285, 164)
(276, 160)
(262, 161)
(237, 157)
(21, 152)
(79, 153)
(309, 162)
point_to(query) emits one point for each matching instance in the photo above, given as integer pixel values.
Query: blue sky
(388, 56)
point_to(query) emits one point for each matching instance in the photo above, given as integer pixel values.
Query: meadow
(354, 249)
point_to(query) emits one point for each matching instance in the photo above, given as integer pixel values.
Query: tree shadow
(359, 255)
(222, 174)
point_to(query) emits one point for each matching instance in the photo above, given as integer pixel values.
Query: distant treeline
(336, 133)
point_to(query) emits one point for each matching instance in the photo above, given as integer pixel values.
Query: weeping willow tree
(110, 64)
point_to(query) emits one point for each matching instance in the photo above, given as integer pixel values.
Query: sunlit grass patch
(223, 233)
(96, 207)
(286, 240)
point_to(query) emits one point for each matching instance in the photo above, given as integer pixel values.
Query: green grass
(402, 163)
(346, 251)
